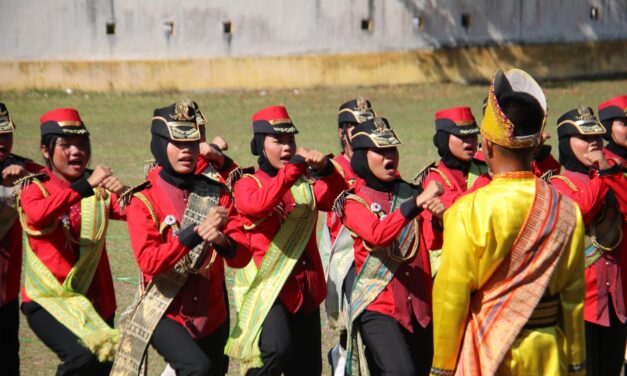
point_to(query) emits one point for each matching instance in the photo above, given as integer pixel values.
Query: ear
(44, 152)
(488, 147)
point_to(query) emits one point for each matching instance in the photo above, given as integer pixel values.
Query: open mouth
(389, 166)
(75, 163)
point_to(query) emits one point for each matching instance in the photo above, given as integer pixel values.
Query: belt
(546, 313)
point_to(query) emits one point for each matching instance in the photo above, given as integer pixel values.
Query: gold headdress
(495, 126)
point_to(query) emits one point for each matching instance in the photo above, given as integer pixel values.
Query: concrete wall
(34, 30)
(55, 44)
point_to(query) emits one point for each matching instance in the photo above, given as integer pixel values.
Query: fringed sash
(499, 311)
(256, 290)
(375, 274)
(140, 319)
(67, 302)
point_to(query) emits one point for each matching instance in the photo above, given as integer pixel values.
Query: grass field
(120, 134)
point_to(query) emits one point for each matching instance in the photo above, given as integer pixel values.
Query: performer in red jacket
(598, 187)
(68, 299)
(12, 167)
(189, 318)
(279, 294)
(613, 116)
(390, 302)
(338, 255)
(457, 171)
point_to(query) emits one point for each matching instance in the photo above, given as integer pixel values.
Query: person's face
(183, 156)
(581, 145)
(383, 163)
(619, 132)
(6, 144)
(69, 157)
(279, 149)
(463, 148)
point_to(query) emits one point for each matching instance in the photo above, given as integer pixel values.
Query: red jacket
(621, 160)
(609, 274)
(200, 303)
(306, 287)
(333, 221)
(455, 184)
(11, 255)
(409, 292)
(54, 250)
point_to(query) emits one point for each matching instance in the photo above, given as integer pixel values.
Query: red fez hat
(273, 120)
(62, 121)
(456, 120)
(610, 110)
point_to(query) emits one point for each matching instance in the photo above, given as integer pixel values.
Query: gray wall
(76, 29)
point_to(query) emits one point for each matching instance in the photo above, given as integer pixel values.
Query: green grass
(120, 134)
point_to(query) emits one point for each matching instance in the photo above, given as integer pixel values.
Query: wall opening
(366, 24)
(226, 28)
(465, 20)
(110, 27)
(417, 23)
(169, 28)
(594, 13)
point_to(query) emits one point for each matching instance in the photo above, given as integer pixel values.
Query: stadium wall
(146, 45)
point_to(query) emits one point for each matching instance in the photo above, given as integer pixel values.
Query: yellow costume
(480, 230)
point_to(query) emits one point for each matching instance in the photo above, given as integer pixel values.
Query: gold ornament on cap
(584, 113)
(181, 110)
(362, 104)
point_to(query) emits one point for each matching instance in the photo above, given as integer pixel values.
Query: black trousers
(76, 359)
(605, 346)
(392, 349)
(187, 356)
(290, 344)
(9, 327)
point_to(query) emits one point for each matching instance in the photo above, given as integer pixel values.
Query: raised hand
(435, 206)
(11, 173)
(316, 159)
(433, 190)
(209, 229)
(98, 175)
(113, 184)
(596, 157)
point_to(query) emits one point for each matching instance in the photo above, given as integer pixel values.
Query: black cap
(176, 122)
(6, 124)
(355, 111)
(374, 133)
(579, 121)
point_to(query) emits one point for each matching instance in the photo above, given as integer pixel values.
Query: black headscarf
(359, 164)
(568, 159)
(618, 150)
(158, 147)
(440, 140)
(256, 147)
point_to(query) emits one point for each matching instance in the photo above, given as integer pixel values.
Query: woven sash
(67, 302)
(139, 321)
(257, 290)
(375, 274)
(502, 307)
(341, 258)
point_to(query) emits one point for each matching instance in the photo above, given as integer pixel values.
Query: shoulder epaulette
(256, 179)
(547, 175)
(445, 178)
(125, 198)
(237, 174)
(338, 167)
(340, 200)
(25, 181)
(422, 174)
(566, 181)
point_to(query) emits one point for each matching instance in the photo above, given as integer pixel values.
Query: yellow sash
(256, 290)
(67, 302)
